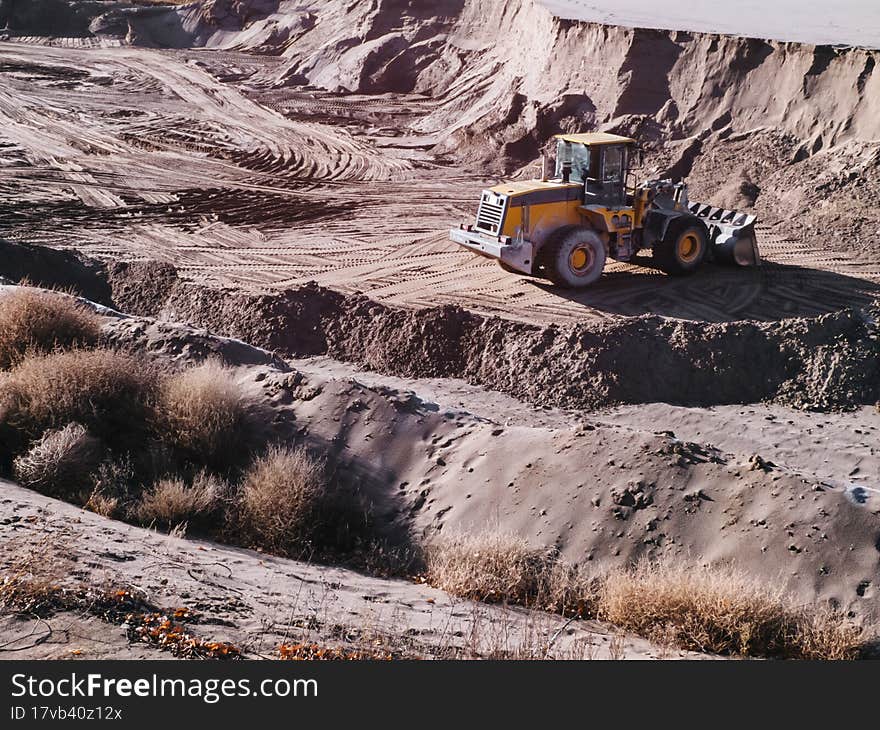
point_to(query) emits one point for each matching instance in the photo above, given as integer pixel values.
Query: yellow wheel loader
(566, 227)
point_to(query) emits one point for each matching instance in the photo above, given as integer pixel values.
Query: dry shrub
(114, 481)
(110, 393)
(502, 568)
(281, 499)
(28, 595)
(102, 504)
(720, 611)
(172, 501)
(204, 413)
(32, 320)
(713, 610)
(61, 463)
(489, 567)
(383, 558)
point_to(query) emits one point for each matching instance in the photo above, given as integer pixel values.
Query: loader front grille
(490, 216)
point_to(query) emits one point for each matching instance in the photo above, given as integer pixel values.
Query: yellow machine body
(591, 191)
(532, 207)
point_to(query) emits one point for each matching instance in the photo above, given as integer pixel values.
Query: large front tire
(575, 258)
(684, 247)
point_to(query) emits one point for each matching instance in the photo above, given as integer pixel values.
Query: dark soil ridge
(822, 363)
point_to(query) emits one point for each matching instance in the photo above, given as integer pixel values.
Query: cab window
(613, 172)
(579, 157)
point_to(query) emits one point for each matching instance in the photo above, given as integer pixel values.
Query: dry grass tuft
(172, 501)
(204, 413)
(24, 594)
(381, 558)
(715, 610)
(489, 567)
(102, 504)
(32, 320)
(110, 393)
(113, 481)
(61, 463)
(281, 498)
(720, 611)
(501, 568)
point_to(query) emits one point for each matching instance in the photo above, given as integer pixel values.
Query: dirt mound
(823, 362)
(170, 342)
(829, 361)
(603, 494)
(47, 267)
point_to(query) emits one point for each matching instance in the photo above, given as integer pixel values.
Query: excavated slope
(826, 362)
(789, 130)
(512, 68)
(844, 22)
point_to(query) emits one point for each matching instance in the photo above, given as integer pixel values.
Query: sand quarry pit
(439, 456)
(285, 174)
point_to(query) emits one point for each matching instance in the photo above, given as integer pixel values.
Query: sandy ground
(440, 456)
(484, 462)
(605, 488)
(840, 448)
(259, 602)
(140, 154)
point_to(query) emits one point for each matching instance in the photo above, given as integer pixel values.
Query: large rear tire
(574, 258)
(684, 248)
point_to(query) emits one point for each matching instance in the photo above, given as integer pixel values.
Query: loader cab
(598, 161)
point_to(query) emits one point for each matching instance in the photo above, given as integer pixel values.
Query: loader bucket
(732, 235)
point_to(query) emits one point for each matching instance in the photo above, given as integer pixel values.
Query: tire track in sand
(137, 154)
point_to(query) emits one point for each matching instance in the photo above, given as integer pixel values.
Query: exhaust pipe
(731, 233)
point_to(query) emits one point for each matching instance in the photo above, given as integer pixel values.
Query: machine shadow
(768, 292)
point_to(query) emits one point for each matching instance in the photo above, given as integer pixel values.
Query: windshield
(578, 155)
